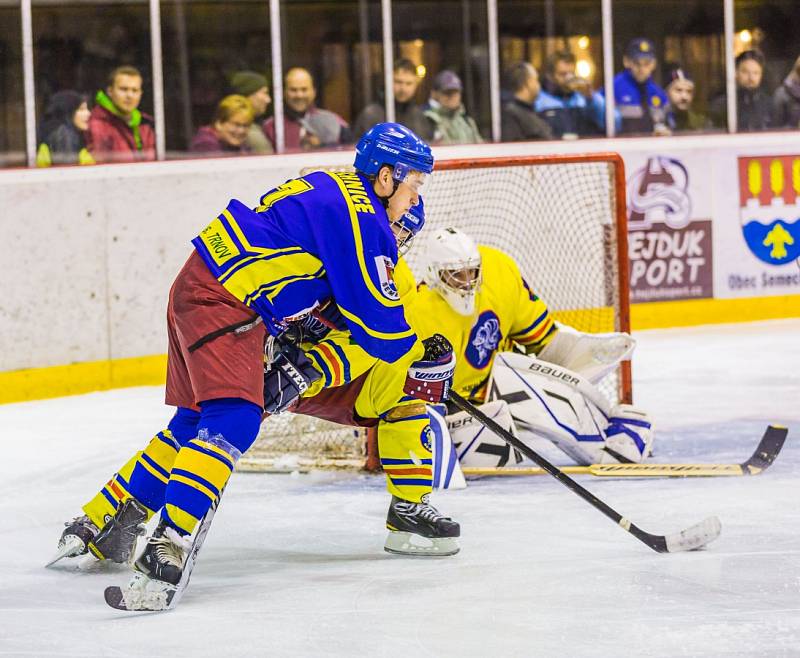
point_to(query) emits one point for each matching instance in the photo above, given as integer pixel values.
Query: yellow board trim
(78, 378)
(689, 313)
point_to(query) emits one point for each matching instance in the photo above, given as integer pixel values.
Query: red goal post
(561, 217)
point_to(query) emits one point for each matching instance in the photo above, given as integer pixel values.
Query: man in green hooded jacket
(118, 131)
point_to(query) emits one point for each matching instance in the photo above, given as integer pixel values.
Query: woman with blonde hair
(227, 135)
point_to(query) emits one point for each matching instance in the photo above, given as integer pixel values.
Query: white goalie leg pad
(629, 435)
(477, 446)
(560, 405)
(591, 355)
(446, 468)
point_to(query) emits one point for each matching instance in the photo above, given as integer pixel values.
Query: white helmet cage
(453, 268)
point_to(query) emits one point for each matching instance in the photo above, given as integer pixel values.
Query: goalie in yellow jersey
(534, 375)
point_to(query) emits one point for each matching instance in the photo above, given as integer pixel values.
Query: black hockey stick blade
(689, 539)
(767, 450)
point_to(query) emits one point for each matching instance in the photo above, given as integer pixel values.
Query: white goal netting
(560, 218)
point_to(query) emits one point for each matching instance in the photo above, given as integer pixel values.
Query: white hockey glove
(560, 405)
(590, 355)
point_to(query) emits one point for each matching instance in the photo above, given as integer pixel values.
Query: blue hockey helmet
(396, 146)
(407, 227)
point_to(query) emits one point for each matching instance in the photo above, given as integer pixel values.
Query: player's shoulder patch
(385, 268)
(483, 340)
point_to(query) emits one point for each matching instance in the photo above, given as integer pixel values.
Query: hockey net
(562, 218)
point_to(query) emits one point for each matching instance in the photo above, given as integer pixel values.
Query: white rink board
(94, 249)
(295, 567)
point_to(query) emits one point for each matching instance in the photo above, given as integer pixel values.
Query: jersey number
(289, 188)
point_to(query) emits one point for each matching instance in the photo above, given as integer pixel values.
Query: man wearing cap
(640, 102)
(680, 115)
(253, 86)
(450, 122)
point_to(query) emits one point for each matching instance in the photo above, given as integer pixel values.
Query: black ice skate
(419, 529)
(75, 539)
(117, 538)
(164, 554)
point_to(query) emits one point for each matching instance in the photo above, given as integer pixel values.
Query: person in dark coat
(407, 112)
(63, 130)
(753, 103)
(520, 122)
(227, 135)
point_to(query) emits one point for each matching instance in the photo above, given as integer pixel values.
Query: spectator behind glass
(753, 104)
(520, 123)
(63, 131)
(305, 125)
(449, 121)
(786, 100)
(253, 86)
(566, 101)
(640, 102)
(680, 115)
(227, 135)
(118, 131)
(405, 82)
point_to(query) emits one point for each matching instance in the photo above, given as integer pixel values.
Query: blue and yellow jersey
(506, 312)
(323, 236)
(341, 360)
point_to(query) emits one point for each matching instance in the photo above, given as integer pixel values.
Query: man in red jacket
(118, 131)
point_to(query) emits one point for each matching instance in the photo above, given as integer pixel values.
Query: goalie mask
(453, 269)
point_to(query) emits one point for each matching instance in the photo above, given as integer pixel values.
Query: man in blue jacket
(640, 102)
(567, 102)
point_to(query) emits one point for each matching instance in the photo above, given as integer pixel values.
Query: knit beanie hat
(247, 82)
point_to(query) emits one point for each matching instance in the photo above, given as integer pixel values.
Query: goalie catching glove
(430, 378)
(287, 378)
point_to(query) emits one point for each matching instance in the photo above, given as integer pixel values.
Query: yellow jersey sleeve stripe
(265, 251)
(246, 280)
(372, 332)
(360, 247)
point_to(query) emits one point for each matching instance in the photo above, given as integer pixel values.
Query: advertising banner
(669, 228)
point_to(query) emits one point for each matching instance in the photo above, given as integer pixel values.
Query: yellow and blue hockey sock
(227, 428)
(404, 446)
(144, 477)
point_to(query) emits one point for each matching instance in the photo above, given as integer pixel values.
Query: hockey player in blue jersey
(317, 251)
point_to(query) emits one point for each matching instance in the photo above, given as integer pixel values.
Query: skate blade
(141, 593)
(71, 547)
(406, 543)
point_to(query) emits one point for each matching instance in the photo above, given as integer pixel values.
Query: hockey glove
(313, 327)
(287, 378)
(431, 378)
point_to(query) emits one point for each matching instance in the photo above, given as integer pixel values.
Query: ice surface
(295, 566)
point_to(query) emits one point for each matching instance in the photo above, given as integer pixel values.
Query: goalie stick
(765, 453)
(689, 539)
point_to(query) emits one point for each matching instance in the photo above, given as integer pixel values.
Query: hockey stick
(765, 453)
(689, 539)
